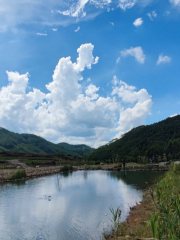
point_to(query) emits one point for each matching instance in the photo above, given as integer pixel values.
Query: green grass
(165, 222)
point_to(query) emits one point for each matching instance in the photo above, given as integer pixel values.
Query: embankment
(5, 175)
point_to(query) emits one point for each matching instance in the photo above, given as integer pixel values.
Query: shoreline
(134, 225)
(5, 175)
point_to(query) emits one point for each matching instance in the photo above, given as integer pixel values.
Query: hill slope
(29, 143)
(159, 141)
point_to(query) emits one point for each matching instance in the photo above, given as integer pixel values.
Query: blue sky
(87, 71)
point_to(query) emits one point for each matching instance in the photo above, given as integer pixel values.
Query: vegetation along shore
(158, 214)
(16, 170)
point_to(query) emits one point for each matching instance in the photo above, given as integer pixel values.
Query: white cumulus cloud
(139, 106)
(91, 91)
(174, 115)
(163, 59)
(136, 52)
(70, 111)
(138, 22)
(133, 117)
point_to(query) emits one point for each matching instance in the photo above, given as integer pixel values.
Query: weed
(123, 229)
(115, 220)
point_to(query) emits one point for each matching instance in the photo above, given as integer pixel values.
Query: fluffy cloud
(174, 115)
(133, 117)
(128, 94)
(138, 106)
(163, 59)
(138, 22)
(91, 91)
(136, 52)
(175, 2)
(125, 4)
(68, 111)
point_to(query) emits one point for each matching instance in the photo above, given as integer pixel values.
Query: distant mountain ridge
(159, 141)
(30, 143)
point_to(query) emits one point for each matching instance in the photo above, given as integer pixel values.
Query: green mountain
(30, 143)
(159, 141)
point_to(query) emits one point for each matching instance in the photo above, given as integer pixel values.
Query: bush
(66, 168)
(18, 175)
(175, 167)
(118, 165)
(93, 168)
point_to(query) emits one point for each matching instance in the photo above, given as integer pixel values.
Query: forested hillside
(29, 143)
(159, 141)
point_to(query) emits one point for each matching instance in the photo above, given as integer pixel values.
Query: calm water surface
(78, 202)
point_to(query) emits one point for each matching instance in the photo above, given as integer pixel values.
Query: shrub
(93, 168)
(18, 175)
(66, 168)
(118, 165)
(175, 167)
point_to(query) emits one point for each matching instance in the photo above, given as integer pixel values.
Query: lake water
(68, 206)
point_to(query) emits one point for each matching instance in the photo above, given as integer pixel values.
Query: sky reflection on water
(78, 202)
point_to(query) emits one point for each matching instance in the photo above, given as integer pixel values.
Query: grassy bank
(165, 221)
(158, 215)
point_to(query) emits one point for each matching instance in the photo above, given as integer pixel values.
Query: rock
(136, 220)
(127, 237)
(37, 166)
(177, 162)
(18, 167)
